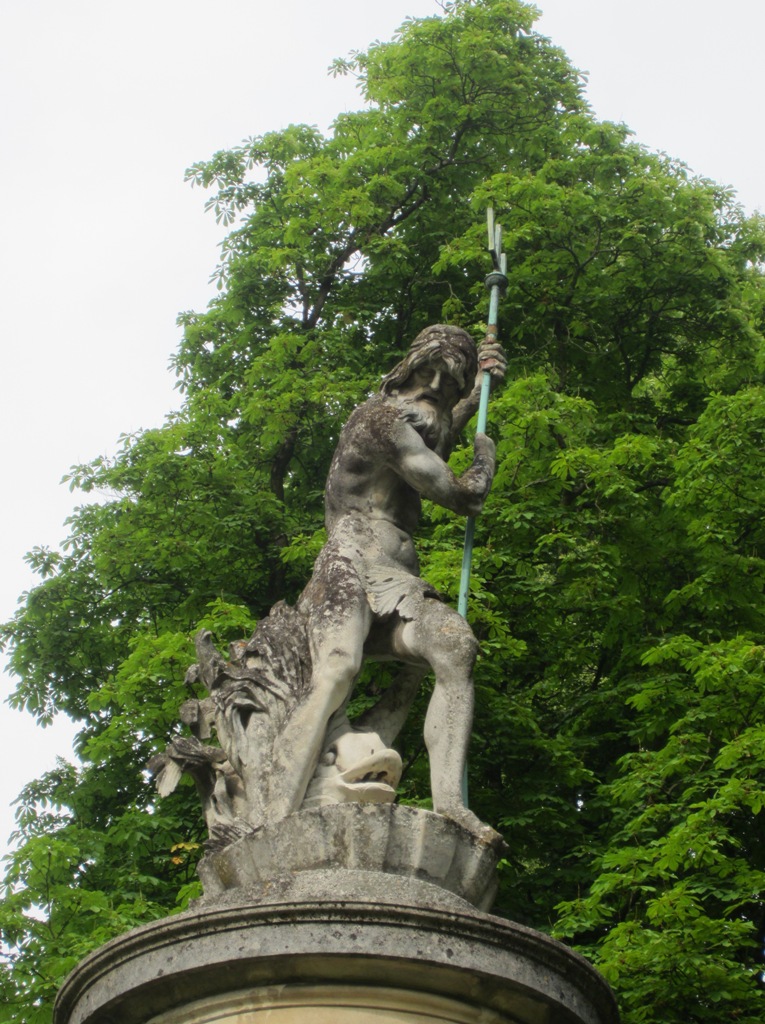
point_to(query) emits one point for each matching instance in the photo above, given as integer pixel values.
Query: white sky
(104, 105)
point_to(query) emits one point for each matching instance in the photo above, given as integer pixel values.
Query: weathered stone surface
(278, 705)
(375, 842)
(235, 953)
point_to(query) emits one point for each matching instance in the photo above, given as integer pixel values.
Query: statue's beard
(430, 422)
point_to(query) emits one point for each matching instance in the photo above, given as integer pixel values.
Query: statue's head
(439, 370)
(440, 344)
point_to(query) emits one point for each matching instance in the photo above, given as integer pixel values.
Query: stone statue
(279, 704)
(322, 898)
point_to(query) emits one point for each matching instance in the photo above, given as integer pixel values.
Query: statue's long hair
(453, 345)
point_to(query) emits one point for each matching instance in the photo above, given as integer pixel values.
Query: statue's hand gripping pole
(496, 282)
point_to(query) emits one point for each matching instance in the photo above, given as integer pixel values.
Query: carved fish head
(356, 766)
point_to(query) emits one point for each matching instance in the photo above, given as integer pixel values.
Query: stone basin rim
(505, 936)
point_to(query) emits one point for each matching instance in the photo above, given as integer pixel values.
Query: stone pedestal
(339, 941)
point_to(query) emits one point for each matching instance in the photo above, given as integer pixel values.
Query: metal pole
(496, 282)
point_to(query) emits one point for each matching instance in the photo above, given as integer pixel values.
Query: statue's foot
(483, 833)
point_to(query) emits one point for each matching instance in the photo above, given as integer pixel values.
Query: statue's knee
(457, 645)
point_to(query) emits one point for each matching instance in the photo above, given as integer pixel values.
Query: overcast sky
(106, 103)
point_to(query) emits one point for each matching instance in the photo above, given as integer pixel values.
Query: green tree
(619, 570)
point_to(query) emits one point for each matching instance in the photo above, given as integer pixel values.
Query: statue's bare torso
(366, 496)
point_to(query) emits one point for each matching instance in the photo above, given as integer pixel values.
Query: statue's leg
(443, 639)
(388, 715)
(337, 628)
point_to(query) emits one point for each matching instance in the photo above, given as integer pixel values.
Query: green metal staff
(496, 282)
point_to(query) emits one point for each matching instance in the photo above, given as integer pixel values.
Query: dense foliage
(619, 574)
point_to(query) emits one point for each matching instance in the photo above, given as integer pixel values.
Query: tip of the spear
(490, 226)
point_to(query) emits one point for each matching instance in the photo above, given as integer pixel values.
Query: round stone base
(334, 962)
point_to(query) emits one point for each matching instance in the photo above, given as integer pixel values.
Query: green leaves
(680, 882)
